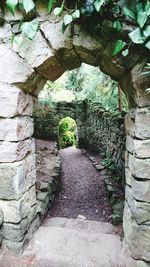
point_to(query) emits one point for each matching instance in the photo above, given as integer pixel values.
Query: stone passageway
(82, 189)
(76, 231)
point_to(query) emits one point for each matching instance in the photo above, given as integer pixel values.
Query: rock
(137, 123)
(15, 151)
(140, 148)
(139, 167)
(17, 177)
(137, 236)
(15, 211)
(99, 167)
(16, 129)
(44, 186)
(15, 69)
(42, 196)
(81, 217)
(16, 101)
(141, 190)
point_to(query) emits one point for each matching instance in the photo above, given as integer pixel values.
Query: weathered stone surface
(141, 190)
(140, 210)
(83, 44)
(5, 32)
(14, 69)
(139, 167)
(15, 151)
(128, 176)
(16, 129)
(137, 236)
(17, 247)
(140, 148)
(16, 232)
(138, 123)
(14, 211)
(17, 177)
(61, 44)
(14, 101)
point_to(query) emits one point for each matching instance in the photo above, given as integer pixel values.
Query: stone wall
(105, 133)
(98, 130)
(137, 207)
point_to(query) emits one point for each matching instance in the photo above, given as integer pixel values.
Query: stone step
(83, 225)
(63, 247)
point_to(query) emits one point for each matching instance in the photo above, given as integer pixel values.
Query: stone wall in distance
(98, 130)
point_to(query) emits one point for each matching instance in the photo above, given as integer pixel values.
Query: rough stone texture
(137, 123)
(137, 236)
(139, 167)
(140, 148)
(14, 211)
(137, 208)
(15, 151)
(73, 246)
(17, 177)
(14, 101)
(105, 133)
(16, 129)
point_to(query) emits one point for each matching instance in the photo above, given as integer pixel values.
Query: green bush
(67, 132)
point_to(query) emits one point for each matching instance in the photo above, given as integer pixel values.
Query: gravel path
(82, 189)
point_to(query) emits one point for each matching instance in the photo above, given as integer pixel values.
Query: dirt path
(82, 189)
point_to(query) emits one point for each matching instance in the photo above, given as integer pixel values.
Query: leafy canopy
(135, 13)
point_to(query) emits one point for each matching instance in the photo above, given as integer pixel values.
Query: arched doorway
(30, 67)
(67, 133)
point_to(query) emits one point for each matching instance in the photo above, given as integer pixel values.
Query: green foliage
(131, 12)
(67, 132)
(89, 83)
(29, 29)
(119, 47)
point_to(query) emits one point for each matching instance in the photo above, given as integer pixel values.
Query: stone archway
(23, 72)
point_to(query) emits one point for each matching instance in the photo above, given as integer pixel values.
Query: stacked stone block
(17, 166)
(137, 206)
(105, 133)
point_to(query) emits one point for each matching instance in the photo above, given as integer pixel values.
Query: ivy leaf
(50, 5)
(117, 25)
(64, 27)
(76, 14)
(98, 4)
(58, 11)
(119, 46)
(136, 36)
(129, 13)
(12, 4)
(18, 40)
(142, 15)
(125, 52)
(29, 29)
(147, 45)
(28, 5)
(67, 19)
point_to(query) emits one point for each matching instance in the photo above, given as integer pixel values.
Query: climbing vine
(134, 13)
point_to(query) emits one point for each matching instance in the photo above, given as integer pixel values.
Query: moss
(67, 132)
